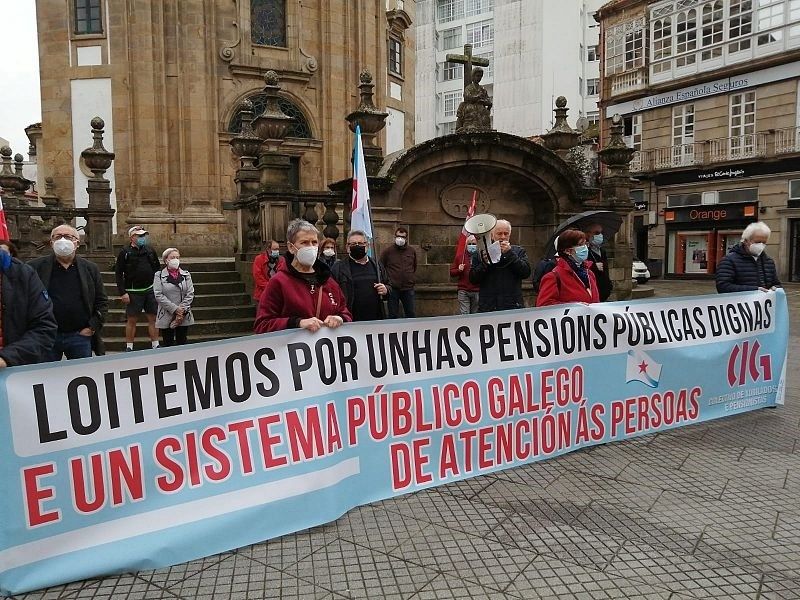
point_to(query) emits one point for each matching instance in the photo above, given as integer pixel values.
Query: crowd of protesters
(55, 306)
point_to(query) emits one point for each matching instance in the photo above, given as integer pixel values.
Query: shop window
(676, 200)
(742, 195)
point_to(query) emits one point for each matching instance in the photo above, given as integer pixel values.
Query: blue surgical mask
(581, 252)
(274, 253)
(471, 248)
(597, 239)
(141, 241)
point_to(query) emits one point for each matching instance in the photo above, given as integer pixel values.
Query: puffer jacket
(501, 283)
(740, 271)
(29, 327)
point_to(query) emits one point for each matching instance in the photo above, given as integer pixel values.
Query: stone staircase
(222, 308)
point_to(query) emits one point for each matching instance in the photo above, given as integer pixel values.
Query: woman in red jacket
(302, 293)
(571, 280)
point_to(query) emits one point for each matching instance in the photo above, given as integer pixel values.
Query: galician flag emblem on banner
(642, 368)
(360, 217)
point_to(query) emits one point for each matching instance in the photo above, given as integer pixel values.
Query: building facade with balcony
(537, 51)
(708, 91)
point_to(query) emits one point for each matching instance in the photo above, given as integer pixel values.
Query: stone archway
(428, 188)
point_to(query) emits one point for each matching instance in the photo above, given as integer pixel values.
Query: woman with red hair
(572, 279)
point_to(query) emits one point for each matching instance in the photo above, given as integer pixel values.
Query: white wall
(91, 98)
(395, 130)
(425, 83)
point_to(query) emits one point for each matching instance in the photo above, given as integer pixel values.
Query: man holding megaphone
(499, 269)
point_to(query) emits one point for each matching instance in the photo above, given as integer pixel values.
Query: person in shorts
(136, 267)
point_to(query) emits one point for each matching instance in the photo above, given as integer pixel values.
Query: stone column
(99, 212)
(616, 186)
(371, 120)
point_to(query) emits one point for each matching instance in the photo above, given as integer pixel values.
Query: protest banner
(137, 461)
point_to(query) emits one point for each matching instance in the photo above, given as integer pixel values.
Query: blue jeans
(72, 345)
(406, 297)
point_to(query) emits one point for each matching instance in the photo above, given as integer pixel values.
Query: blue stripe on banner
(153, 458)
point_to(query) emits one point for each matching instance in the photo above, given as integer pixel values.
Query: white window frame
(478, 7)
(450, 102)
(480, 33)
(449, 10)
(682, 134)
(451, 71)
(452, 38)
(593, 86)
(488, 72)
(742, 123)
(593, 53)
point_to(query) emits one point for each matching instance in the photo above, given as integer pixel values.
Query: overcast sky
(20, 96)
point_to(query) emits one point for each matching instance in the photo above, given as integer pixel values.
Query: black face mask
(358, 252)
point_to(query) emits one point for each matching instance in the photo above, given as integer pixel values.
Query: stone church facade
(169, 78)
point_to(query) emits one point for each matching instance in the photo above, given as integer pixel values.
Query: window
(487, 71)
(87, 17)
(593, 53)
(677, 200)
(686, 38)
(770, 16)
(450, 102)
(592, 87)
(662, 39)
(740, 24)
(446, 128)
(683, 135)
(743, 124)
(712, 29)
(794, 190)
(625, 46)
(451, 71)
(593, 118)
(478, 7)
(480, 34)
(449, 10)
(632, 131)
(742, 195)
(268, 22)
(395, 56)
(451, 38)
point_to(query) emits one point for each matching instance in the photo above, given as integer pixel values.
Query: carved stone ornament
(455, 200)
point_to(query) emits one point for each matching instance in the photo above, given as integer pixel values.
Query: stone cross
(468, 60)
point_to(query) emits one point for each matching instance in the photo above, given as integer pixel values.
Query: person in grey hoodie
(174, 293)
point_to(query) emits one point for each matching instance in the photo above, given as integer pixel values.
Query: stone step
(241, 299)
(200, 288)
(219, 327)
(197, 277)
(141, 342)
(642, 291)
(196, 264)
(116, 314)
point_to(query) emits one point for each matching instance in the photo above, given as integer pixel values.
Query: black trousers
(174, 337)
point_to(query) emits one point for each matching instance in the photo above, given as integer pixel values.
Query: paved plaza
(707, 511)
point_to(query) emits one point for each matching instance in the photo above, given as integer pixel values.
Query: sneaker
(128, 349)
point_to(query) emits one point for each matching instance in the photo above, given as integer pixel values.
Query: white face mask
(329, 252)
(400, 241)
(756, 249)
(63, 248)
(174, 263)
(306, 255)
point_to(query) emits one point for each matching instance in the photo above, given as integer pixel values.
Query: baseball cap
(137, 230)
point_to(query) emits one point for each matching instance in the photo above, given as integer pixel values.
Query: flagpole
(356, 167)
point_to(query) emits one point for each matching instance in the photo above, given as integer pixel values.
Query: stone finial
(271, 124)
(247, 144)
(561, 137)
(97, 158)
(11, 180)
(49, 198)
(5, 151)
(371, 120)
(365, 76)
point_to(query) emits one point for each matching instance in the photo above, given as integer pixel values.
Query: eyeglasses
(63, 236)
(359, 244)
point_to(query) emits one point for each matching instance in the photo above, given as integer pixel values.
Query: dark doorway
(794, 250)
(640, 238)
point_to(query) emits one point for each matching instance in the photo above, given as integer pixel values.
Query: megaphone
(481, 227)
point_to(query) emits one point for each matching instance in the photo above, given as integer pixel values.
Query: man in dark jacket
(136, 267)
(747, 267)
(599, 259)
(27, 326)
(400, 262)
(76, 289)
(501, 281)
(362, 280)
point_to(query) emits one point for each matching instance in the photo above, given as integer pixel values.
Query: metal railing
(738, 147)
(629, 81)
(681, 155)
(787, 140)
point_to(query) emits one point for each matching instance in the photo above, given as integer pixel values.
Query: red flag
(4, 234)
(461, 246)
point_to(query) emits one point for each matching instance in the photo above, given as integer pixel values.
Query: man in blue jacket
(27, 325)
(747, 267)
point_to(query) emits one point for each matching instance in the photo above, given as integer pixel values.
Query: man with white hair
(500, 282)
(747, 267)
(80, 303)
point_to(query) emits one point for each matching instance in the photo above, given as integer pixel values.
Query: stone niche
(428, 188)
